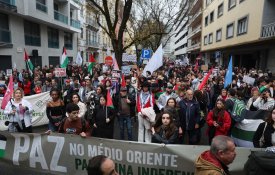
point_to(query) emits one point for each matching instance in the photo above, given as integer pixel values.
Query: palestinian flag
(243, 131)
(91, 64)
(3, 143)
(28, 61)
(64, 59)
(109, 102)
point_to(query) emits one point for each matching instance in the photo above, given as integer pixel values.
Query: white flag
(155, 62)
(78, 59)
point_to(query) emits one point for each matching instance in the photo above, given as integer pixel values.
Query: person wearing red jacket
(218, 120)
(145, 99)
(27, 86)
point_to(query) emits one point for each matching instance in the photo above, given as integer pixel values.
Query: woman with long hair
(103, 120)
(82, 107)
(55, 110)
(218, 120)
(167, 132)
(171, 107)
(19, 111)
(265, 129)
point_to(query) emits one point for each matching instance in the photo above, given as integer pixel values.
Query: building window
(5, 34)
(242, 26)
(68, 40)
(53, 38)
(206, 21)
(205, 40)
(220, 10)
(211, 17)
(41, 5)
(229, 30)
(210, 38)
(218, 35)
(231, 4)
(32, 34)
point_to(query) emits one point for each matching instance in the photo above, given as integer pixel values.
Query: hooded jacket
(208, 164)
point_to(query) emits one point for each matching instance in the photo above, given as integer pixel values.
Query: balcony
(193, 47)
(60, 17)
(194, 33)
(8, 5)
(75, 23)
(195, 6)
(196, 18)
(5, 36)
(41, 7)
(32, 40)
(93, 44)
(268, 31)
(91, 22)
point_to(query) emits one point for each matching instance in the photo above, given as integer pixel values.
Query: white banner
(129, 58)
(39, 117)
(248, 80)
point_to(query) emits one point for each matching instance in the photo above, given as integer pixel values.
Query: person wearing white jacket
(264, 102)
(82, 106)
(19, 112)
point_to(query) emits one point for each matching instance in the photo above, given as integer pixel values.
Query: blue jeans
(125, 120)
(52, 127)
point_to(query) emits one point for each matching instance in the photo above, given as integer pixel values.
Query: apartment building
(194, 29)
(180, 32)
(42, 27)
(243, 29)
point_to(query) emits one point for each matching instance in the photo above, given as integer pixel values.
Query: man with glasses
(162, 100)
(190, 118)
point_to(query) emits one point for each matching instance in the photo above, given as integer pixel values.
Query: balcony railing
(194, 47)
(32, 40)
(268, 30)
(77, 2)
(8, 4)
(193, 32)
(41, 7)
(74, 23)
(194, 17)
(60, 17)
(92, 22)
(93, 44)
(5, 36)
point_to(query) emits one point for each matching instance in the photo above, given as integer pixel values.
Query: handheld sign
(60, 72)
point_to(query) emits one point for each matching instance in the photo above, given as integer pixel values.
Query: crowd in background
(167, 103)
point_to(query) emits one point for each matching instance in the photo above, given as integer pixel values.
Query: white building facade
(179, 39)
(42, 27)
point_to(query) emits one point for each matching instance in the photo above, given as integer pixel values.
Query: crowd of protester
(167, 103)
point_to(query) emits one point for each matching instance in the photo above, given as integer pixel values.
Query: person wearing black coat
(103, 120)
(167, 132)
(190, 118)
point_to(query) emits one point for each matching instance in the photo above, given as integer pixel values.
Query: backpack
(238, 111)
(83, 123)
